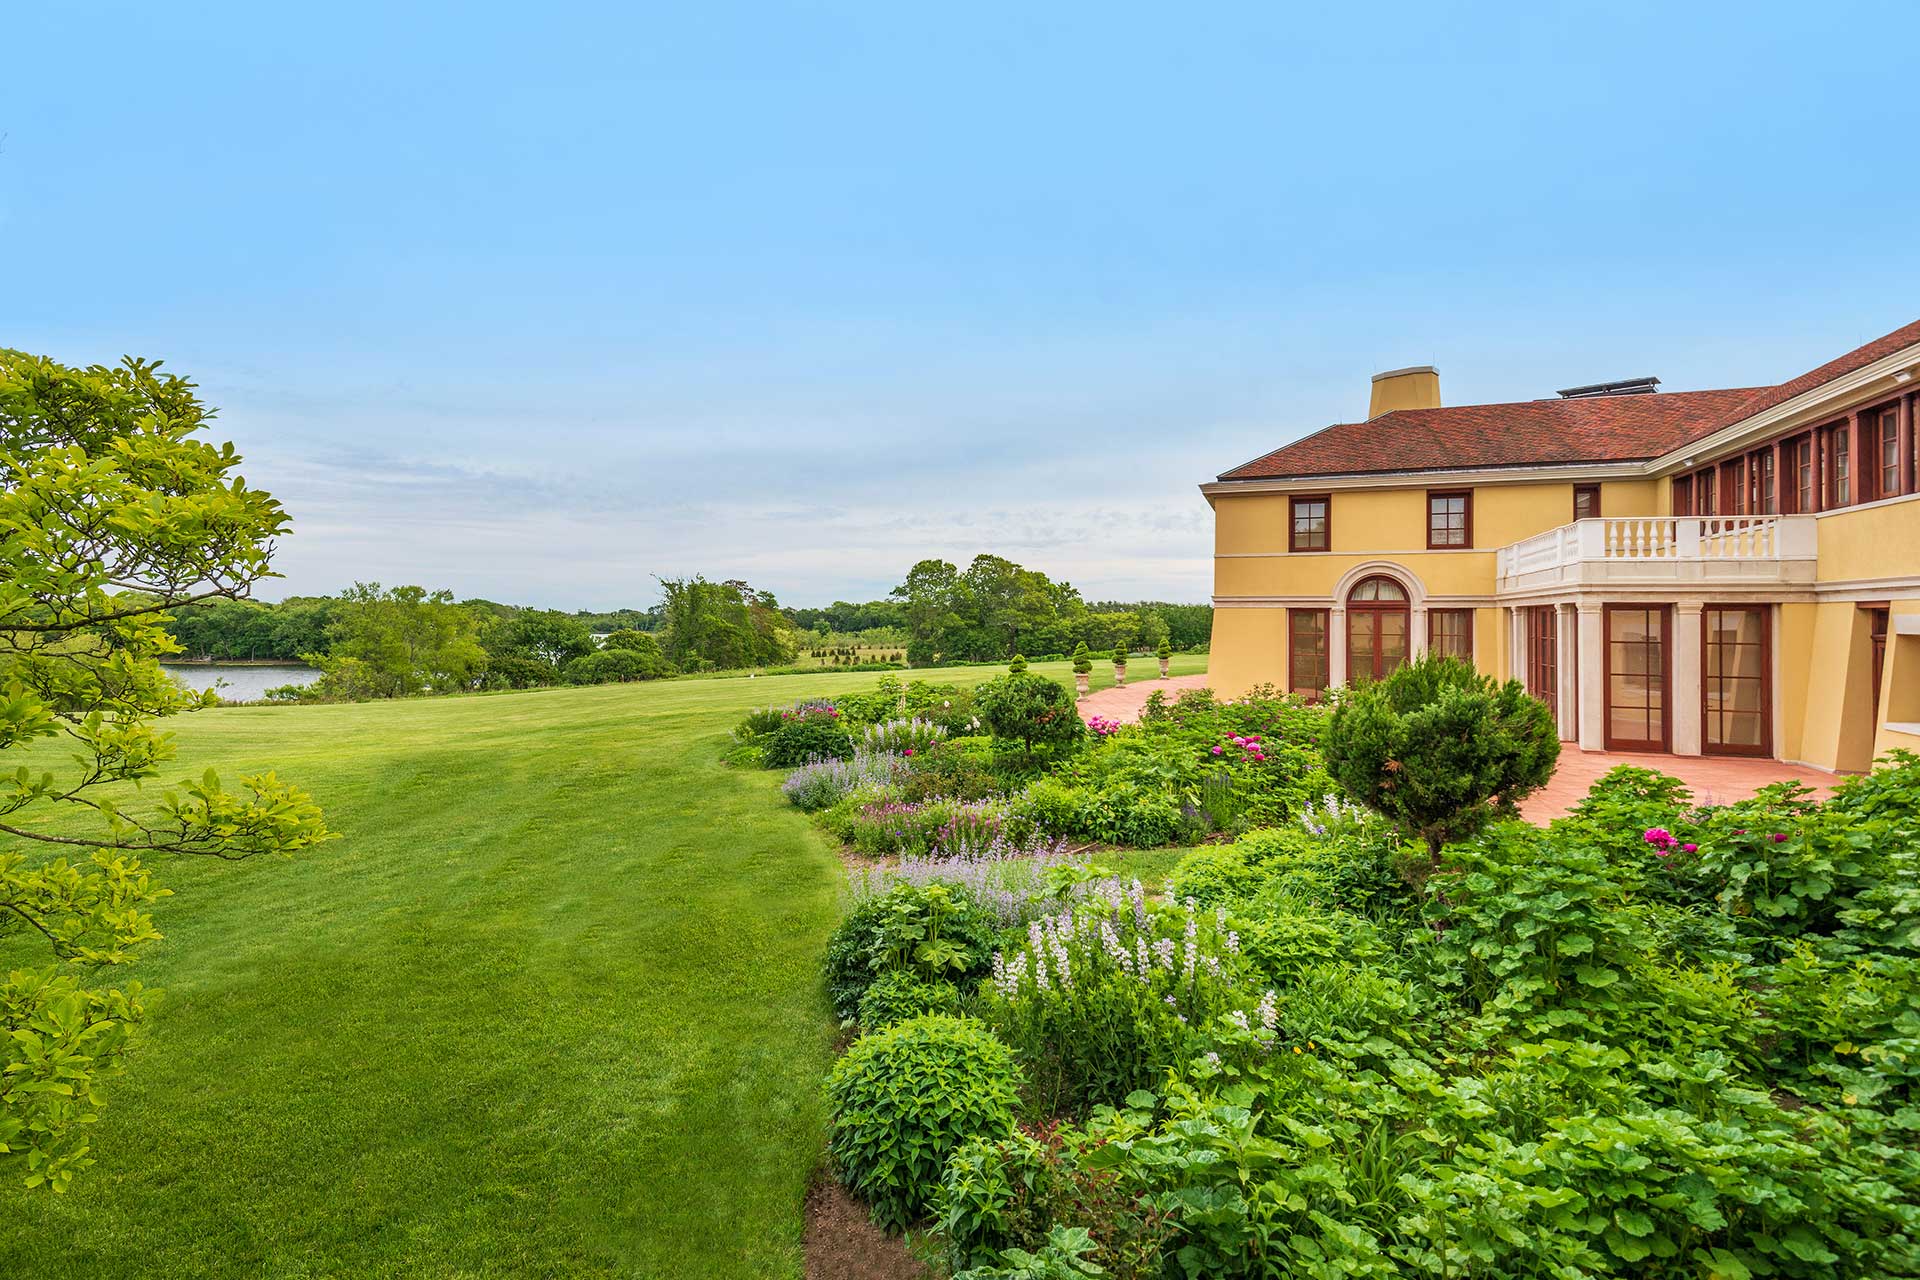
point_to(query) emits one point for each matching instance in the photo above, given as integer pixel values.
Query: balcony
(1676, 551)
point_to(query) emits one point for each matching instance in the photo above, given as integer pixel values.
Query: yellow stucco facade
(1704, 609)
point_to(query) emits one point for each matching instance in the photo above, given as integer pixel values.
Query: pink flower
(1690, 848)
(1216, 750)
(907, 752)
(1779, 837)
(1663, 853)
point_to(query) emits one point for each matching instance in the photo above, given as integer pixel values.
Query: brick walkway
(1125, 702)
(1715, 779)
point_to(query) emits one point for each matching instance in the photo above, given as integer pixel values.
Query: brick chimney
(1417, 387)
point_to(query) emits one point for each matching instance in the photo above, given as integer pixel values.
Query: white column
(1419, 640)
(1566, 627)
(1683, 698)
(1593, 679)
(1516, 645)
(1337, 646)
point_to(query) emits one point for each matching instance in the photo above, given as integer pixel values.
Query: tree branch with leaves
(112, 513)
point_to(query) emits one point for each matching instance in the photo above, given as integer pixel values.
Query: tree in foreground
(1029, 709)
(111, 515)
(1440, 749)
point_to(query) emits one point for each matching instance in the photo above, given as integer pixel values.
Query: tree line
(372, 641)
(996, 609)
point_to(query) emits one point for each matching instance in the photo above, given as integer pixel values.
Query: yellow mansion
(1719, 572)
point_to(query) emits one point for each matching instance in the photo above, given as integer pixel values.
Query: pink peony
(1216, 750)
(1690, 848)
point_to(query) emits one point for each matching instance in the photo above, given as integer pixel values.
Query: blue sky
(535, 302)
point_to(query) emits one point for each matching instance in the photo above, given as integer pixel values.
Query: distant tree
(1440, 749)
(637, 641)
(723, 626)
(393, 643)
(116, 518)
(610, 665)
(547, 636)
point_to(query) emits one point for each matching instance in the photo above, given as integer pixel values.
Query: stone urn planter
(1163, 667)
(1119, 674)
(1080, 683)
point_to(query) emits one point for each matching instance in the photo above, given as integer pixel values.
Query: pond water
(242, 683)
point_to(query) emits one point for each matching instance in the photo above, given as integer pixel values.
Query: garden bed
(1655, 1038)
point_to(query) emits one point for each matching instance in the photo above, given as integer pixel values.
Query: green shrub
(900, 994)
(1082, 660)
(803, 736)
(608, 666)
(905, 1098)
(1000, 1201)
(1030, 710)
(931, 931)
(1212, 875)
(1441, 750)
(1099, 1002)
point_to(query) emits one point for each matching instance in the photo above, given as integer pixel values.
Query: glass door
(1543, 656)
(1636, 675)
(1736, 707)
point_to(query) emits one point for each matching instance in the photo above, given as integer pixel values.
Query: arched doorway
(1379, 628)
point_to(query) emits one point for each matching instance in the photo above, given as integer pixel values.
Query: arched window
(1379, 627)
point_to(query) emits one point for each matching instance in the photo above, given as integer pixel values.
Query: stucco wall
(1880, 541)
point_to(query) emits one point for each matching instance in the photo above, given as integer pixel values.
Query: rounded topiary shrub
(902, 994)
(903, 1099)
(1441, 750)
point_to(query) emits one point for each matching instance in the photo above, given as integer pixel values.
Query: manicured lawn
(550, 1008)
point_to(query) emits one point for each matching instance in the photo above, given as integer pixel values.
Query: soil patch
(843, 1244)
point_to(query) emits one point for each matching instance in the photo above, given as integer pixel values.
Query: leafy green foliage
(112, 515)
(899, 994)
(1212, 875)
(904, 1098)
(812, 733)
(931, 932)
(1654, 1039)
(1441, 749)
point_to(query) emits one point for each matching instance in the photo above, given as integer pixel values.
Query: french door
(1379, 626)
(1638, 676)
(1736, 664)
(1543, 655)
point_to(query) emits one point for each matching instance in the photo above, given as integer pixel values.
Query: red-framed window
(1307, 650)
(1800, 463)
(1449, 518)
(1450, 632)
(1840, 465)
(1886, 453)
(1586, 501)
(1310, 522)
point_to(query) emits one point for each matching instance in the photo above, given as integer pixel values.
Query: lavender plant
(1015, 882)
(820, 783)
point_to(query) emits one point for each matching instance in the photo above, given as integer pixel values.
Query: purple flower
(1779, 837)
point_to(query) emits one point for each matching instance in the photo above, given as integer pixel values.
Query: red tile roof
(1542, 432)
